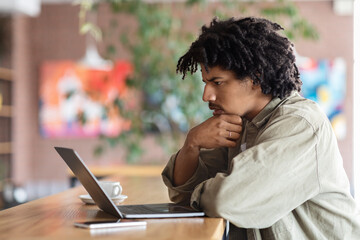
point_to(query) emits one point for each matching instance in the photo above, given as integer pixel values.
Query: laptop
(102, 200)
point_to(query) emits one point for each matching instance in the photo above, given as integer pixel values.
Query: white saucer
(88, 200)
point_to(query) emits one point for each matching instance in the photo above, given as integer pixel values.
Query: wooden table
(122, 170)
(53, 217)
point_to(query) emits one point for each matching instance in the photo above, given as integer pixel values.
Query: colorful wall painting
(77, 101)
(324, 81)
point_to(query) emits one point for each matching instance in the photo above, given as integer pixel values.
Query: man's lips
(217, 110)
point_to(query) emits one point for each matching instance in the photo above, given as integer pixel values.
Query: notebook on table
(102, 200)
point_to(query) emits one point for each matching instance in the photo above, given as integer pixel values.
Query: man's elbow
(235, 211)
(180, 198)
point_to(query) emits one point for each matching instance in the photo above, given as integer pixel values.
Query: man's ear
(255, 86)
(256, 81)
(256, 77)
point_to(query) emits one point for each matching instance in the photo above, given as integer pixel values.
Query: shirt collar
(264, 115)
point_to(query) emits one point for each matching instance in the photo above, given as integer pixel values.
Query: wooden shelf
(5, 111)
(5, 123)
(5, 74)
(5, 147)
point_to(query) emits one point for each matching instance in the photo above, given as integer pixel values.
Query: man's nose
(208, 94)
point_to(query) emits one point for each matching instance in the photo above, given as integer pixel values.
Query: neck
(259, 105)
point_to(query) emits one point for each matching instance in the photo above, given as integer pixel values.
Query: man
(267, 160)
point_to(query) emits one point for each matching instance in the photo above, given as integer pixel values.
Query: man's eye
(217, 83)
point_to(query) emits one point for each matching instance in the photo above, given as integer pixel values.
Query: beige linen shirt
(284, 179)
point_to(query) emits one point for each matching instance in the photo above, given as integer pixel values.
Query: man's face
(228, 95)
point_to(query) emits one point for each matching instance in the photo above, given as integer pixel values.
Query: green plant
(287, 14)
(169, 106)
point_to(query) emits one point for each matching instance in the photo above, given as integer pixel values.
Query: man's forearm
(186, 164)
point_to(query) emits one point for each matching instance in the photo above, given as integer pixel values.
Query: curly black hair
(250, 47)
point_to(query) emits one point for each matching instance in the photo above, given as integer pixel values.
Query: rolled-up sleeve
(210, 162)
(266, 181)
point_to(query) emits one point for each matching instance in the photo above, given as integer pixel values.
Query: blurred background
(99, 77)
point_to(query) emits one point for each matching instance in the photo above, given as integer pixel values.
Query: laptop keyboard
(141, 209)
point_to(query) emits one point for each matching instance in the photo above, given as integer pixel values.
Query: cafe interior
(99, 77)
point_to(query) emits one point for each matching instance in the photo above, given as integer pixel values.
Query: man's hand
(218, 131)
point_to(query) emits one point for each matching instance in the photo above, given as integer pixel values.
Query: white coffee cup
(112, 189)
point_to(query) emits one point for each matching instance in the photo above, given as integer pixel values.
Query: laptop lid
(88, 180)
(90, 183)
